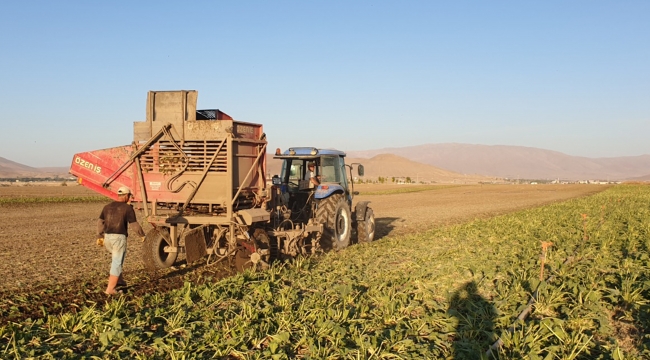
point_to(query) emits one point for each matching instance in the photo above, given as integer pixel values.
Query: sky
(569, 76)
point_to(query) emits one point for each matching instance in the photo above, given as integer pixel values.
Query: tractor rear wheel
(366, 227)
(334, 213)
(153, 250)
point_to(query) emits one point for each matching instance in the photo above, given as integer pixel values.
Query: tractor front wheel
(153, 250)
(334, 213)
(366, 228)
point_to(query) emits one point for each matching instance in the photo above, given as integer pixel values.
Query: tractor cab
(329, 171)
(298, 192)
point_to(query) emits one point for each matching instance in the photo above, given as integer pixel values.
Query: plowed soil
(49, 261)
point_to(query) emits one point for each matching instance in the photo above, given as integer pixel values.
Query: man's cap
(311, 164)
(123, 190)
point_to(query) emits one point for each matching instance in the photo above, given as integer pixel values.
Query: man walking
(112, 228)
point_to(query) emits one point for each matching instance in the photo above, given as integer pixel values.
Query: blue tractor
(312, 208)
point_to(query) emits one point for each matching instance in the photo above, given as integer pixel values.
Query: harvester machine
(198, 176)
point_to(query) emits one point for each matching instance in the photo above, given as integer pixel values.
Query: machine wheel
(260, 258)
(153, 251)
(366, 228)
(334, 213)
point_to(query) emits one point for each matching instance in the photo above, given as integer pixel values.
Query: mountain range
(12, 169)
(450, 162)
(519, 162)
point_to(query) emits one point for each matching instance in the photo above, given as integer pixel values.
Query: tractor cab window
(331, 170)
(294, 174)
(292, 171)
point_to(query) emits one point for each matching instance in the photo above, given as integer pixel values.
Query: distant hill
(389, 166)
(640, 178)
(12, 169)
(517, 161)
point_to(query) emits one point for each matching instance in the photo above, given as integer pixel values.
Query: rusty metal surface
(195, 246)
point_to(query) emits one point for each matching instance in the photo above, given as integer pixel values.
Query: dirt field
(417, 211)
(48, 255)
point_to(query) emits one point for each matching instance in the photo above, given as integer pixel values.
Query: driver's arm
(314, 180)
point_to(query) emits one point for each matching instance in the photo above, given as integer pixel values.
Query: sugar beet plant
(447, 293)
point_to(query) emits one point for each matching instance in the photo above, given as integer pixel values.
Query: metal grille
(165, 158)
(212, 114)
(206, 114)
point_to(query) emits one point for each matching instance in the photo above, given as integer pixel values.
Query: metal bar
(173, 234)
(142, 188)
(246, 155)
(239, 140)
(205, 172)
(193, 220)
(229, 179)
(139, 152)
(259, 156)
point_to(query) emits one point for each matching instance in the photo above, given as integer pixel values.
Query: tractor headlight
(314, 151)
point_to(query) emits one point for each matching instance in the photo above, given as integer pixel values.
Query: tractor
(325, 201)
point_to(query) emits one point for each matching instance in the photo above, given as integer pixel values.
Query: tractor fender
(360, 210)
(325, 191)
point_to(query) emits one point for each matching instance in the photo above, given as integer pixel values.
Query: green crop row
(50, 200)
(448, 293)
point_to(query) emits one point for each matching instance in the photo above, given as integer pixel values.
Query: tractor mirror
(276, 180)
(360, 170)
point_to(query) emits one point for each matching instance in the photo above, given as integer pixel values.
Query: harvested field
(400, 212)
(49, 259)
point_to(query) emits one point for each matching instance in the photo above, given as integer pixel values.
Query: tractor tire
(366, 228)
(334, 213)
(154, 256)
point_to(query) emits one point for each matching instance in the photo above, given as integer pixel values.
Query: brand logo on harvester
(243, 129)
(87, 164)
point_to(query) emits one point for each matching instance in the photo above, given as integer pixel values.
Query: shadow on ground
(384, 226)
(475, 315)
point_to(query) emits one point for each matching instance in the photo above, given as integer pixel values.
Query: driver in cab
(310, 175)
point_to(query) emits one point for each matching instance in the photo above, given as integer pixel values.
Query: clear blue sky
(570, 76)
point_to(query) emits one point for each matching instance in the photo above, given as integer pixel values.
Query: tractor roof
(307, 153)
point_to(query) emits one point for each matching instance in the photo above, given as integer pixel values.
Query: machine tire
(334, 213)
(366, 227)
(154, 256)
